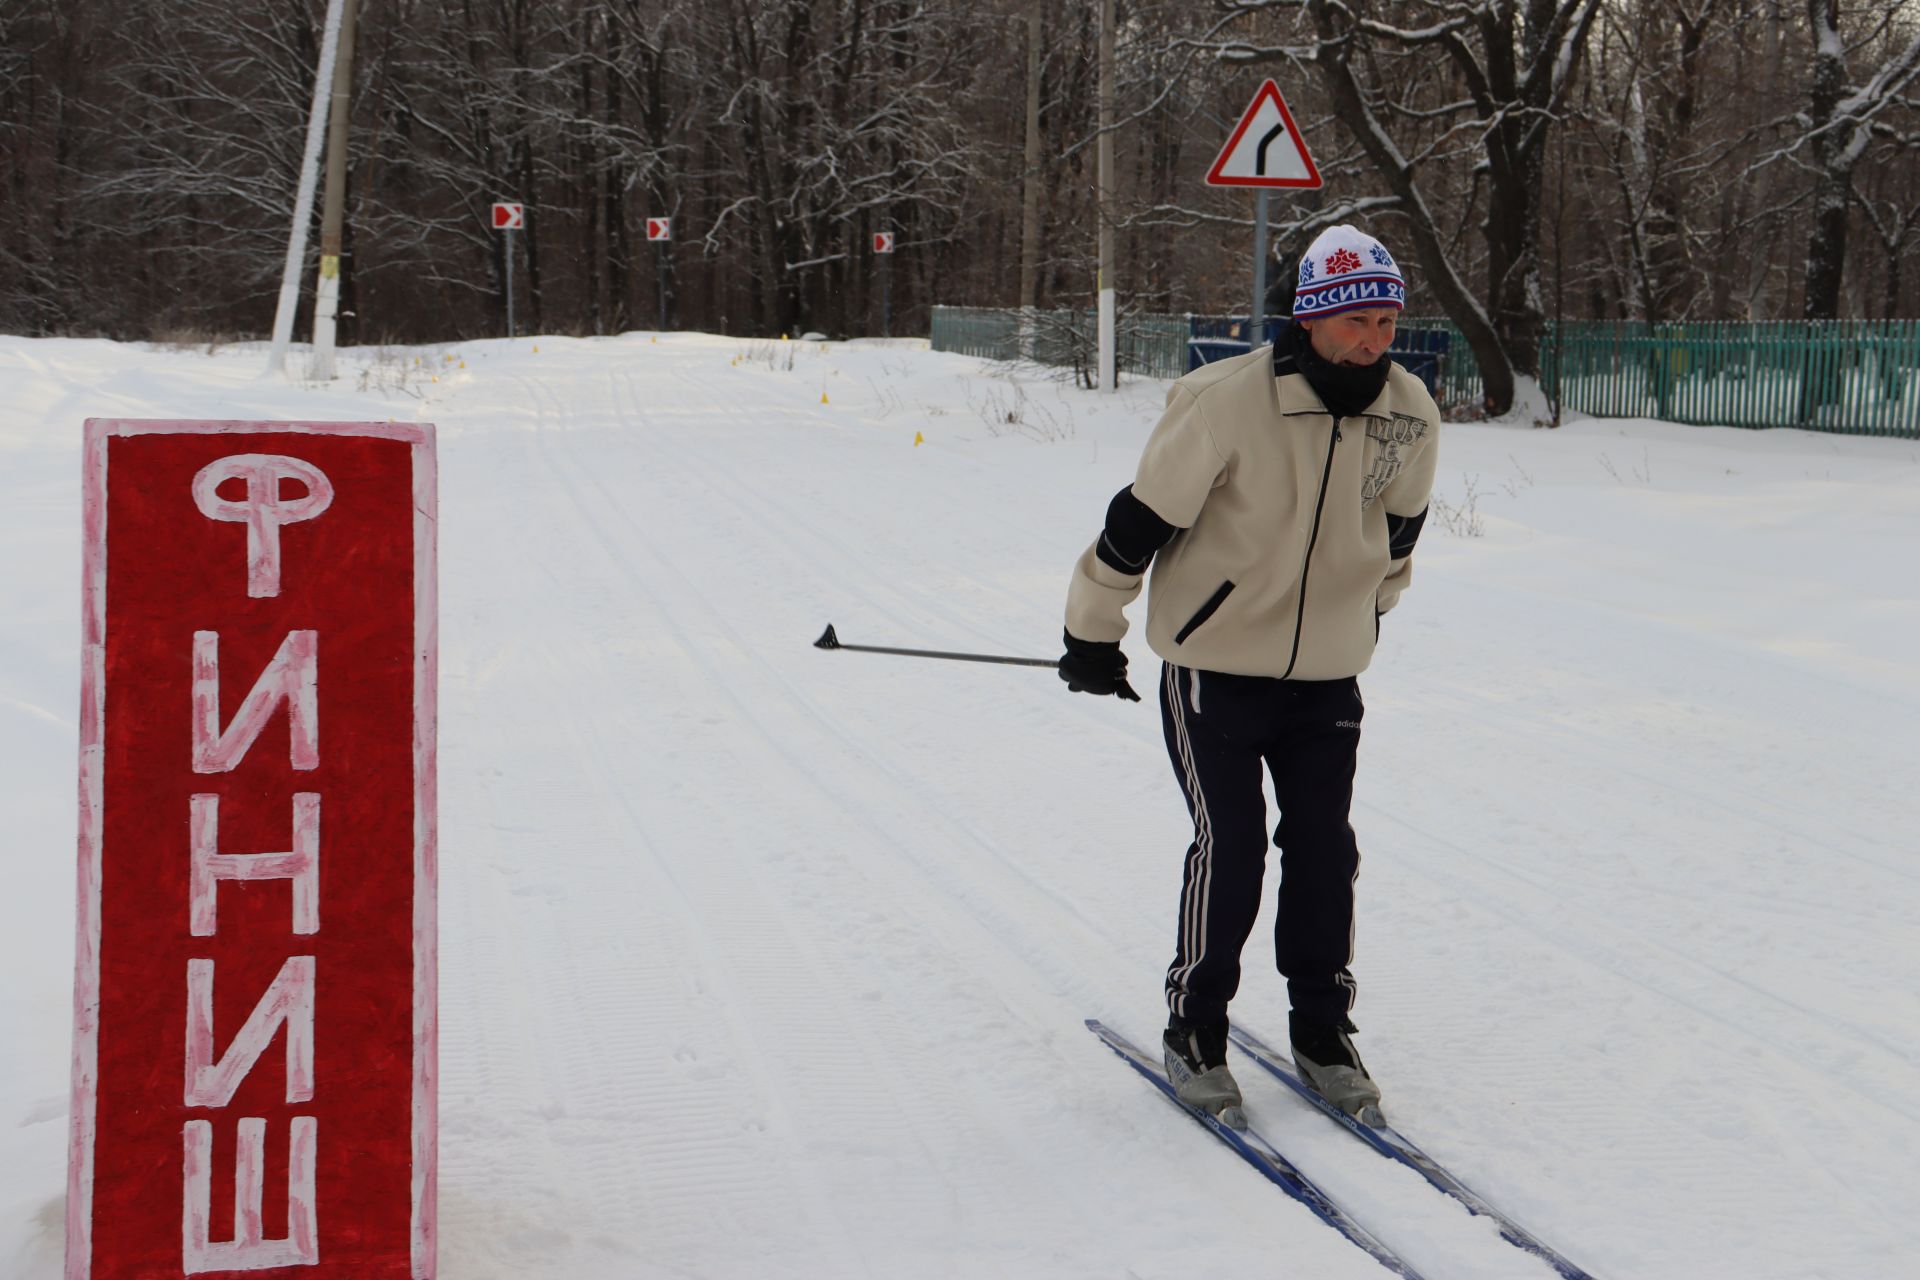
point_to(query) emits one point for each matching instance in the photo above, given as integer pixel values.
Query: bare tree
(1653, 87)
(1841, 118)
(1511, 67)
(38, 75)
(1680, 158)
(1893, 216)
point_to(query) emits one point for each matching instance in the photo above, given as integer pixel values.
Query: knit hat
(1346, 269)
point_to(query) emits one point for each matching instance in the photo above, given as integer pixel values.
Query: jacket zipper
(1306, 566)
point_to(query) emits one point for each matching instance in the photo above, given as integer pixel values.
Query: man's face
(1353, 337)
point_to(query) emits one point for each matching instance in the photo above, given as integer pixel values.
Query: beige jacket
(1271, 503)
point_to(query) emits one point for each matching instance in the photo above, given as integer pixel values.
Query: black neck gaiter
(1346, 389)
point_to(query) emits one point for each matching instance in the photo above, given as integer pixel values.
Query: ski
(1394, 1145)
(1261, 1154)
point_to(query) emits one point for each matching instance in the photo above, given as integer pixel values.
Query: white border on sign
(426, 853)
(93, 689)
(86, 980)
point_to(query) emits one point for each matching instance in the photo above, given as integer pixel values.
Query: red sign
(883, 242)
(255, 1028)
(509, 217)
(1265, 149)
(659, 228)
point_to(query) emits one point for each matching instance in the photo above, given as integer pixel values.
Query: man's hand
(1093, 666)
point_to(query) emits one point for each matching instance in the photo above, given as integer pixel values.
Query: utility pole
(1257, 314)
(1030, 190)
(508, 250)
(326, 300)
(303, 197)
(1559, 286)
(1108, 375)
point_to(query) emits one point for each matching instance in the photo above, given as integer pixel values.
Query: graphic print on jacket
(1390, 437)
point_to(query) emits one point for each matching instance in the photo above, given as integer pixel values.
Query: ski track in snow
(970, 932)
(1588, 887)
(763, 960)
(796, 1023)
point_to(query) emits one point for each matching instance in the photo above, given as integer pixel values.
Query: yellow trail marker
(918, 439)
(823, 397)
(463, 364)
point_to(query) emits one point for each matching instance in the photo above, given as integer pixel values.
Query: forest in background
(1651, 160)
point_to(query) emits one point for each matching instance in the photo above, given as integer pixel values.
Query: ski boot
(1329, 1063)
(1196, 1058)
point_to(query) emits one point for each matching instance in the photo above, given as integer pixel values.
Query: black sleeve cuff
(1403, 532)
(1133, 533)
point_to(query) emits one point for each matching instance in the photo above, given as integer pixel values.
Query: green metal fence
(1858, 377)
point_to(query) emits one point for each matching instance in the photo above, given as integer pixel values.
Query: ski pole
(828, 640)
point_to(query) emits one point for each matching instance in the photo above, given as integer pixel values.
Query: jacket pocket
(1205, 611)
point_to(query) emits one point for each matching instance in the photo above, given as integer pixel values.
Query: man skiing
(1278, 501)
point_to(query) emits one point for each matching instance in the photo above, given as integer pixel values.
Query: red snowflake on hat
(1341, 261)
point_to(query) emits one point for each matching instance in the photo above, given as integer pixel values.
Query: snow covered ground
(765, 961)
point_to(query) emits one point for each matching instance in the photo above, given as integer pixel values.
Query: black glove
(1094, 666)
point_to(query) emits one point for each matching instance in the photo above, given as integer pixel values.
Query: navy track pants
(1221, 730)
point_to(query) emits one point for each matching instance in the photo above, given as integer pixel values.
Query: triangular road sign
(1266, 149)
